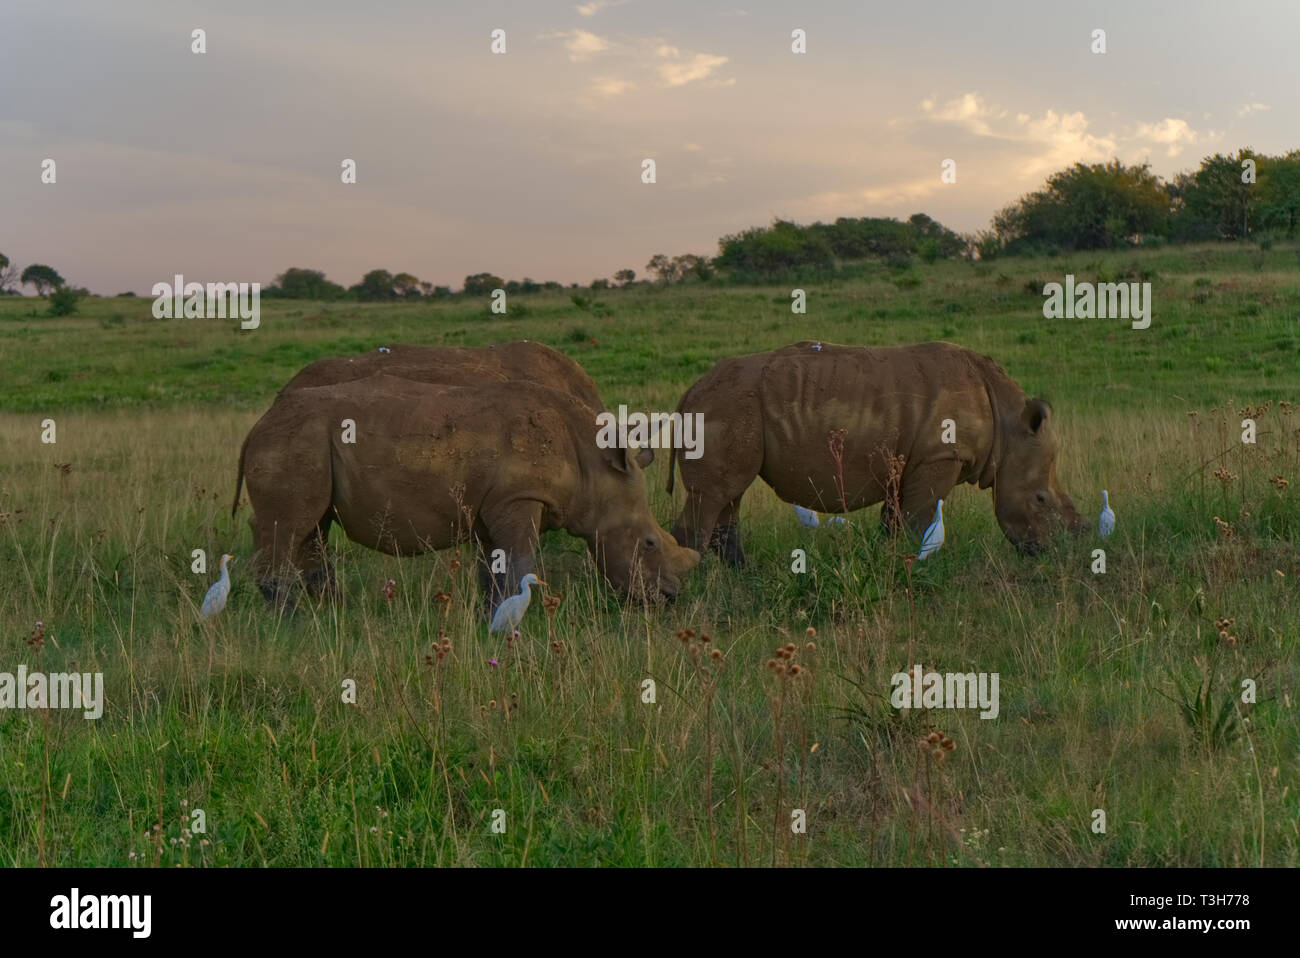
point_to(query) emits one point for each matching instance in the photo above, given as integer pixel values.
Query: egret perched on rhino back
(952, 415)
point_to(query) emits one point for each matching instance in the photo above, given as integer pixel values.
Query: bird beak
(540, 582)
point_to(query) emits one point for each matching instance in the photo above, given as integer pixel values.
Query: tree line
(1232, 196)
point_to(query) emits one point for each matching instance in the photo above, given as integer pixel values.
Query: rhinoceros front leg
(508, 542)
(924, 484)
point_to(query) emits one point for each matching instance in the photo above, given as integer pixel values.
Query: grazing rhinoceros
(774, 415)
(431, 466)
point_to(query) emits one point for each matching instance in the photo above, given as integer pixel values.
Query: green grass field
(1099, 673)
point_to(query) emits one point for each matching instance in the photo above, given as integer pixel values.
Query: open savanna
(1100, 674)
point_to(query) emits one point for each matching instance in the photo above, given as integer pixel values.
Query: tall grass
(449, 725)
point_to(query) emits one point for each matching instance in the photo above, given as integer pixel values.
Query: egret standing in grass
(932, 539)
(214, 602)
(1106, 522)
(511, 612)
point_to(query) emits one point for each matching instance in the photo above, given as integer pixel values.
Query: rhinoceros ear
(1036, 414)
(620, 458)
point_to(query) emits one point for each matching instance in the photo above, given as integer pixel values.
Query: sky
(225, 166)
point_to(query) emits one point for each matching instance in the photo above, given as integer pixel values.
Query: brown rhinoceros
(776, 414)
(430, 466)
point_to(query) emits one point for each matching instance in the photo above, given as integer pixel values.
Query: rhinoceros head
(631, 549)
(1029, 503)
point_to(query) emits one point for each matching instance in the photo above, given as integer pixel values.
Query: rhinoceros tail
(239, 479)
(672, 450)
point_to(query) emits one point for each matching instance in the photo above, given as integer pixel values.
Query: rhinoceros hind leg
(725, 539)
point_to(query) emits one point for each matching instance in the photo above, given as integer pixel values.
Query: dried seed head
(810, 647)
(934, 738)
(790, 648)
(810, 632)
(716, 655)
(771, 664)
(948, 744)
(795, 670)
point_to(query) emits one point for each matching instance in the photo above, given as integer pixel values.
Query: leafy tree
(1213, 202)
(945, 243)
(406, 285)
(625, 276)
(299, 283)
(375, 286)
(773, 252)
(1279, 192)
(1088, 206)
(690, 265)
(42, 277)
(8, 274)
(855, 239)
(600, 284)
(661, 266)
(481, 284)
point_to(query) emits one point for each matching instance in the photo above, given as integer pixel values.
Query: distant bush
(775, 252)
(63, 301)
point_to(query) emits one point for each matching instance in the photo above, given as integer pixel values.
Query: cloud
(1012, 150)
(698, 67)
(582, 45)
(891, 195)
(1250, 108)
(606, 87)
(969, 111)
(595, 6)
(1169, 132)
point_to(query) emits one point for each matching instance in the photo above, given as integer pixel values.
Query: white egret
(511, 612)
(1106, 522)
(933, 537)
(807, 517)
(215, 600)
